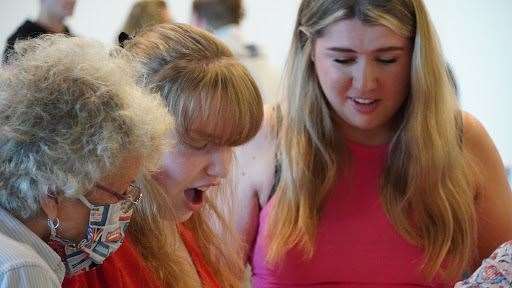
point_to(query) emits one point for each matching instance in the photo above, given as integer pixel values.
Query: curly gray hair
(69, 111)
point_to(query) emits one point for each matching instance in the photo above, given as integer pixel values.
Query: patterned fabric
(125, 268)
(105, 233)
(495, 272)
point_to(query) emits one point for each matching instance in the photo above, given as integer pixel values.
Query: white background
(476, 36)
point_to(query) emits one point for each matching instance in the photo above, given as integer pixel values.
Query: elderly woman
(75, 133)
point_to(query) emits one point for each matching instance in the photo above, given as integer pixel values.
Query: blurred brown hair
(219, 13)
(144, 14)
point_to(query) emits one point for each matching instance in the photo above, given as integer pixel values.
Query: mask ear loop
(85, 201)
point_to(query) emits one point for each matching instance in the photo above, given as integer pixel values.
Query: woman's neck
(38, 225)
(371, 137)
(51, 22)
(188, 266)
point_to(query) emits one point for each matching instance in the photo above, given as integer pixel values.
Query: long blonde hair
(427, 174)
(201, 82)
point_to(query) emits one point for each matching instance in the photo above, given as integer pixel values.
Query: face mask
(105, 233)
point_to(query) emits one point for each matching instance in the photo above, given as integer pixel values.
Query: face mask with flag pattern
(105, 234)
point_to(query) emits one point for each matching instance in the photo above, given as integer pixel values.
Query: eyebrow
(383, 49)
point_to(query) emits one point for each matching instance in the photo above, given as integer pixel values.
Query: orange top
(205, 274)
(125, 268)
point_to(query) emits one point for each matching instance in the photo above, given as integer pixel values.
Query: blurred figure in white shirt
(223, 18)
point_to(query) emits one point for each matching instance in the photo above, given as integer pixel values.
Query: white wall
(477, 40)
(475, 34)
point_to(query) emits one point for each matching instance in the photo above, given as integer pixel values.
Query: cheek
(397, 85)
(171, 184)
(173, 193)
(174, 167)
(334, 82)
(177, 172)
(74, 218)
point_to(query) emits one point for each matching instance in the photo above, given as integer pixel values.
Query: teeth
(364, 101)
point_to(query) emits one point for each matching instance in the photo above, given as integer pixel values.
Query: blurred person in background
(50, 20)
(146, 13)
(76, 132)
(223, 18)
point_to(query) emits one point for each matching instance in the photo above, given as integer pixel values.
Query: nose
(220, 162)
(364, 77)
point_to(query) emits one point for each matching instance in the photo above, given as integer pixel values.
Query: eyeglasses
(132, 196)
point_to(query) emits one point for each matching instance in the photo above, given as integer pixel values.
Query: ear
(49, 204)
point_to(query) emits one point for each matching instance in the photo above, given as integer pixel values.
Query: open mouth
(194, 195)
(365, 105)
(363, 101)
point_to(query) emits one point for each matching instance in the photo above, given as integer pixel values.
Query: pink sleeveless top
(356, 244)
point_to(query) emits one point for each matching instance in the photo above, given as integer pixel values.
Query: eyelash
(387, 61)
(200, 147)
(194, 146)
(345, 61)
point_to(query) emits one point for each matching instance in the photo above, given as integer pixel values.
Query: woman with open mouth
(216, 104)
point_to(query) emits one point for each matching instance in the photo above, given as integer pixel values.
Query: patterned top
(495, 272)
(25, 260)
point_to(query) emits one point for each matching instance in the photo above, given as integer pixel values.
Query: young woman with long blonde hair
(383, 180)
(178, 237)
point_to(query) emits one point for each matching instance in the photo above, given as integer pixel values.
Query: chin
(183, 217)
(368, 122)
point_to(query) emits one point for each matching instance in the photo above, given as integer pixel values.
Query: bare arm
(254, 177)
(494, 198)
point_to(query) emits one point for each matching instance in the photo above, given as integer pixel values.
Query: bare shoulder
(480, 147)
(254, 177)
(494, 198)
(256, 159)
(475, 135)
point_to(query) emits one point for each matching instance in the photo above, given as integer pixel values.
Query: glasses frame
(132, 189)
